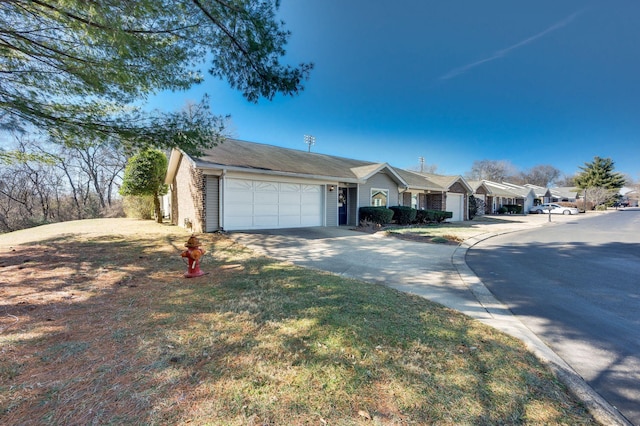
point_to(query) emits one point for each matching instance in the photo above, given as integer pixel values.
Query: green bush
(379, 215)
(138, 206)
(473, 207)
(502, 210)
(513, 208)
(430, 216)
(404, 215)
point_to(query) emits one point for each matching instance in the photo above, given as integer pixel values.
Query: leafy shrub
(138, 206)
(404, 215)
(502, 210)
(430, 216)
(513, 208)
(473, 206)
(379, 215)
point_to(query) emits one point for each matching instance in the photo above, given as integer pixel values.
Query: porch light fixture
(331, 188)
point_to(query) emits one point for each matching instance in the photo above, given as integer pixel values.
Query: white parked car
(555, 209)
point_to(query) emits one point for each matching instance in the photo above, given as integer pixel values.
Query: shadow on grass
(107, 330)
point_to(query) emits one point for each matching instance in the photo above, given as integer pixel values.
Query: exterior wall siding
(352, 205)
(212, 204)
(379, 181)
(331, 205)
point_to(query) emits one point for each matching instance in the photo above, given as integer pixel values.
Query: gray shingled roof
(261, 157)
(418, 181)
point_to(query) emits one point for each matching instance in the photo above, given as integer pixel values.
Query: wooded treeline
(46, 183)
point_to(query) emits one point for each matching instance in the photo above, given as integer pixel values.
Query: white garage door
(455, 204)
(254, 204)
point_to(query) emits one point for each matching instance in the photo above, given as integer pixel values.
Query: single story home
(554, 195)
(504, 193)
(482, 192)
(242, 185)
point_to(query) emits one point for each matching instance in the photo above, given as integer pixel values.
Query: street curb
(505, 321)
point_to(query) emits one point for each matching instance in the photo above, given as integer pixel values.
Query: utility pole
(310, 141)
(421, 164)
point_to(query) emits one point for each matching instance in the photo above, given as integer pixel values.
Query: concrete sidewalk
(436, 272)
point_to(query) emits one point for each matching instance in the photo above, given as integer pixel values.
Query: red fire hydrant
(193, 254)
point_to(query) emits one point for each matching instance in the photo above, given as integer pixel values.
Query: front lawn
(452, 232)
(101, 328)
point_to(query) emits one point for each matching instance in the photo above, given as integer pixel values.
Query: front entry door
(342, 206)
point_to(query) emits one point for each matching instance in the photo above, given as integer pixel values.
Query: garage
(258, 204)
(455, 204)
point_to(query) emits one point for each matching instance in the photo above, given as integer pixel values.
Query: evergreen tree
(83, 68)
(144, 175)
(599, 174)
(598, 181)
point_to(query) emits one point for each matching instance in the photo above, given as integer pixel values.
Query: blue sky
(544, 82)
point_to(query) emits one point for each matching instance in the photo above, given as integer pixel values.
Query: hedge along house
(244, 185)
(427, 191)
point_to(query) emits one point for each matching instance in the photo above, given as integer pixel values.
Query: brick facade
(188, 197)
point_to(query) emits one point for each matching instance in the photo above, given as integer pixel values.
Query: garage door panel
(455, 204)
(290, 198)
(289, 209)
(308, 210)
(252, 204)
(266, 187)
(290, 187)
(237, 185)
(266, 210)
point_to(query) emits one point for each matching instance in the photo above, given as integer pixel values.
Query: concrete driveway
(436, 272)
(423, 269)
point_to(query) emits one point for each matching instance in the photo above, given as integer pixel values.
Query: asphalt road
(577, 286)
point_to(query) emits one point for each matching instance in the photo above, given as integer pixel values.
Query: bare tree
(541, 175)
(566, 180)
(49, 182)
(493, 170)
(599, 195)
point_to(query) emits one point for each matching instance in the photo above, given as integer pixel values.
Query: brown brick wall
(188, 192)
(458, 188)
(435, 201)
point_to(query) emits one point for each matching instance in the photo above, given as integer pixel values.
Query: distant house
(482, 192)
(244, 185)
(630, 196)
(501, 194)
(554, 195)
(437, 192)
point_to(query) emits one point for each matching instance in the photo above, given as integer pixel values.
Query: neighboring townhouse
(481, 192)
(244, 185)
(501, 194)
(437, 192)
(554, 195)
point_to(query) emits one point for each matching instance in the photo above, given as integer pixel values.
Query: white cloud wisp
(504, 52)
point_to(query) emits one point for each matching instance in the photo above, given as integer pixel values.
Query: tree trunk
(156, 206)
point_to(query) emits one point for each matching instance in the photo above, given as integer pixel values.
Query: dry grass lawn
(98, 326)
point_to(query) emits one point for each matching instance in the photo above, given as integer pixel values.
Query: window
(379, 197)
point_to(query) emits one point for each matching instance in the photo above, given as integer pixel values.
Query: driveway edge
(503, 320)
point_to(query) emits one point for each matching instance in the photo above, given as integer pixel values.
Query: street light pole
(310, 141)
